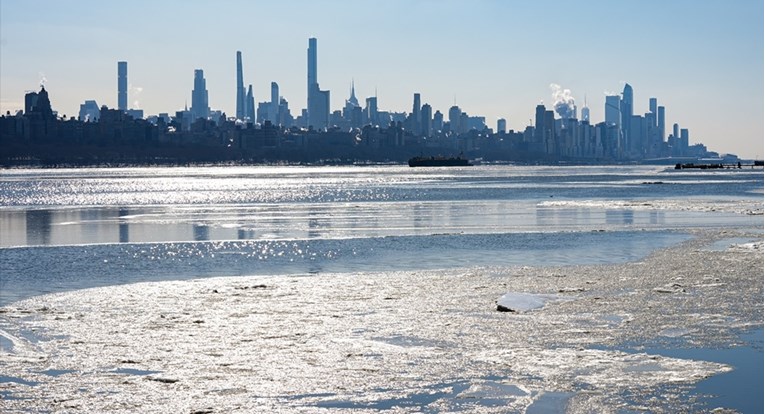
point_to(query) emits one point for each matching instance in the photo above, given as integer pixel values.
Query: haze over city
(702, 60)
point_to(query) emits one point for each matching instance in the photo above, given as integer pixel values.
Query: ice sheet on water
(382, 338)
(523, 302)
(739, 206)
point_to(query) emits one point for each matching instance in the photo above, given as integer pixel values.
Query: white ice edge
(751, 207)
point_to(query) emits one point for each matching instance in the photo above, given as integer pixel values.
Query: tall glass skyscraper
(240, 93)
(122, 86)
(318, 100)
(200, 107)
(613, 111)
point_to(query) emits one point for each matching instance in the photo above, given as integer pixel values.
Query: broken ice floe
(523, 302)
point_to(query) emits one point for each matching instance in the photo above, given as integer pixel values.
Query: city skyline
(502, 70)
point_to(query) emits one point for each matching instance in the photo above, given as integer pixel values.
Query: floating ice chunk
(675, 332)
(495, 391)
(748, 246)
(522, 302)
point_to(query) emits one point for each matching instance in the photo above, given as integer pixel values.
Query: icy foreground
(408, 341)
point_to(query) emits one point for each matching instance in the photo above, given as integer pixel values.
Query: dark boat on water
(439, 162)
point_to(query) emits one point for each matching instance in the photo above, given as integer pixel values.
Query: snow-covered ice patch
(523, 302)
(748, 246)
(747, 207)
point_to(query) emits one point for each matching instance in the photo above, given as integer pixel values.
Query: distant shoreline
(321, 163)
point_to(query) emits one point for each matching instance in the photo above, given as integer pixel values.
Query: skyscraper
(652, 106)
(539, 124)
(352, 100)
(312, 69)
(585, 111)
(240, 94)
(318, 100)
(370, 111)
(274, 109)
(352, 112)
(416, 108)
(313, 85)
(626, 108)
(501, 125)
(249, 105)
(426, 120)
(122, 86)
(199, 99)
(613, 111)
(455, 117)
(661, 123)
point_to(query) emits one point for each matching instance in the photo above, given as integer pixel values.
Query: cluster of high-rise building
(623, 135)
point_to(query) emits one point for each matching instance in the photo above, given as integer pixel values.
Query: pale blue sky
(703, 60)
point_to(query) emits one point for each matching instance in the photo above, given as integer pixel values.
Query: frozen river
(370, 288)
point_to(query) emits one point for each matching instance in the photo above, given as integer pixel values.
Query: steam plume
(564, 103)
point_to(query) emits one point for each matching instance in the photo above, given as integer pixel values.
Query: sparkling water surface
(69, 229)
(66, 229)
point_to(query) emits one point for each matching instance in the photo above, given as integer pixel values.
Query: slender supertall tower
(122, 86)
(313, 83)
(240, 93)
(274, 108)
(661, 122)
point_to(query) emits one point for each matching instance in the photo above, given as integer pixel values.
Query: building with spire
(585, 111)
(352, 113)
